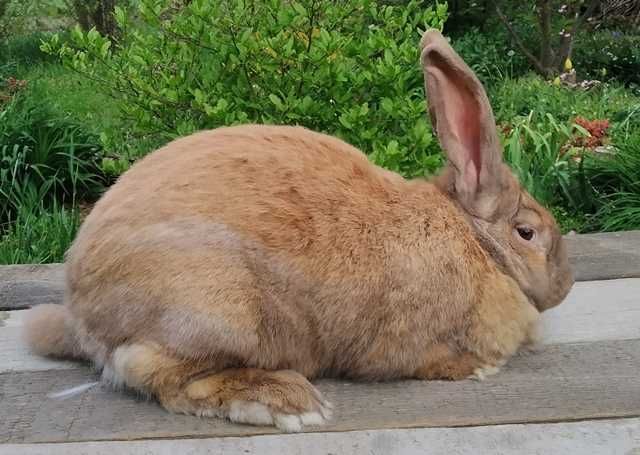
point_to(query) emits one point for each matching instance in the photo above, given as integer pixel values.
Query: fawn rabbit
(224, 270)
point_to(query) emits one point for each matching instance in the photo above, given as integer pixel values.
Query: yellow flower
(568, 65)
(556, 81)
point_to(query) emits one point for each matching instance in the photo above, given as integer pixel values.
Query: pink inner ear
(463, 117)
(468, 127)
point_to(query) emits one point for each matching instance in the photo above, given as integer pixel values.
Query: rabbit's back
(289, 188)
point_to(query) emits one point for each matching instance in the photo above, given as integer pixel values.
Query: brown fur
(227, 257)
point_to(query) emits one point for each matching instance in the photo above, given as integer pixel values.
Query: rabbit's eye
(525, 232)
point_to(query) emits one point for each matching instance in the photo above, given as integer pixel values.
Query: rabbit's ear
(463, 120)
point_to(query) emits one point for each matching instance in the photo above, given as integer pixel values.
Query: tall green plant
(44, 156)
(536, 149)
(349, 68)
(39, 234)
(618, 181)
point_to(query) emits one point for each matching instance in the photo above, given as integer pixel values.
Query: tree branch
(532, 58)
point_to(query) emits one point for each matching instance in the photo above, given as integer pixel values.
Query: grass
(39, 234)
(585, 194)
(50, 158)
(514, 97)
(44, 151)
(617, 186)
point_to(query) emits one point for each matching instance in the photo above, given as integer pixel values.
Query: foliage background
(86, 88)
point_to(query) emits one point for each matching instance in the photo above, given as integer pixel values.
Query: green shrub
(347, 68)
(609, 54)
(491, 56)
(519, 97)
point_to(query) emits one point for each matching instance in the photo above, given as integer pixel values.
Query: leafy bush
(348, 68)
(609, 54)
(519, 97)
(491, 56)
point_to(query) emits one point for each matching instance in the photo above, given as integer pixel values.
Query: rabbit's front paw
(285, 399)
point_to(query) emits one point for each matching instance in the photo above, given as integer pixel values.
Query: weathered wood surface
(594, 257)
(605, 256)
(23, 286)
(565, 382)
(593, 311)
(579, 394)
(604, 437)
(14, 354)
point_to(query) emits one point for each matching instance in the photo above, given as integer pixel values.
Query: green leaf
(277, 102)
(120, 15)
(104, 49)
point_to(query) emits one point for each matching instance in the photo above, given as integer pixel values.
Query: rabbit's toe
(255, 413)
(480, 374)
(250, 412)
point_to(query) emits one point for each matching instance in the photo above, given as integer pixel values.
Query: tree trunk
(544, 20)
(103, 17)
(81, 11)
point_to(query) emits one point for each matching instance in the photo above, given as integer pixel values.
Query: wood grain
(594, 311)
(601, 437)
(14, 353)
(23, 286)
(562, 383)
(605, 256)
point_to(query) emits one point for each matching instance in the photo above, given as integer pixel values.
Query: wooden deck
(579, 394)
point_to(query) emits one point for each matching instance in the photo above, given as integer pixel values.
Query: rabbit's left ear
(463, 120)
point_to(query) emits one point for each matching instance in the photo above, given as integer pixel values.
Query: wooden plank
(14, 353)
(566, 382)
(23, 286)
(605, 256)
(603, 437)
(594, 257)
(594, 311)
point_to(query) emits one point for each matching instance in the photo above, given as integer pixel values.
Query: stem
(305, 65)
(243, 64)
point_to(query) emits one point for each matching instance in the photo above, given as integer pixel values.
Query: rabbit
(227, 269)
